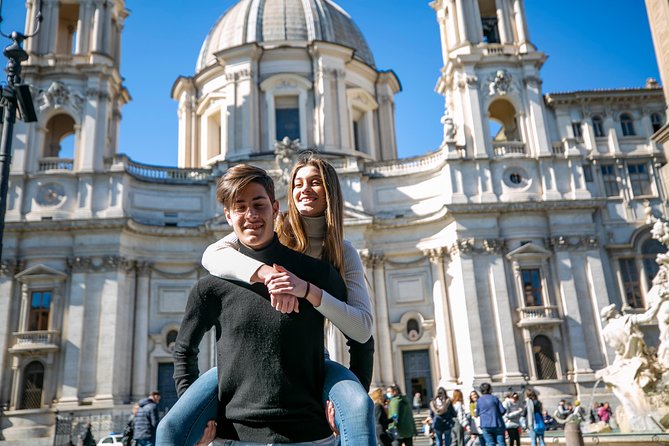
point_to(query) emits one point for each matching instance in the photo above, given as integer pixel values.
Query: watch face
(50, 194)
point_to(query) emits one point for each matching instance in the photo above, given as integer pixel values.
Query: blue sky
(590, 44)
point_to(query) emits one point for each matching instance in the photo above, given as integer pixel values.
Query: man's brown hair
(237, 178)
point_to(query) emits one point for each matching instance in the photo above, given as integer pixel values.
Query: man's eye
(240, 209)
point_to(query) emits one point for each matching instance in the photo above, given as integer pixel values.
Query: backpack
(539, 425)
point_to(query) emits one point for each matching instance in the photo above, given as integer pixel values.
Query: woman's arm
(223, 259)
(354, 318)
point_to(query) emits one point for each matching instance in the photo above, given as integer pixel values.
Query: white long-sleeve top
(354, 318)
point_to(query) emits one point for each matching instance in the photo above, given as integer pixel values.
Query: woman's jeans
(443, 438)
(325, 442)
(534, 437)
(494, 436)
(184, 424)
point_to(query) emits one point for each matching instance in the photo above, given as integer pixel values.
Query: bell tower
(75, 65)
(494, 108)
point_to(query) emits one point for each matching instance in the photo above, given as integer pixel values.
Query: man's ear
(226, 211)
(275, 209)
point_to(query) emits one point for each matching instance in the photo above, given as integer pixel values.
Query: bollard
(573, 435)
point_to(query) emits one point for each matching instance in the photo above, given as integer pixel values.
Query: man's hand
(330, 415)
(285, 303)
(209, 434)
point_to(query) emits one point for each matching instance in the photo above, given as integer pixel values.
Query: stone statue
(639, 376)
(499, 83)
(285, 153)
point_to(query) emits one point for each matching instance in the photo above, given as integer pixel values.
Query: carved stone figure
(499, 83)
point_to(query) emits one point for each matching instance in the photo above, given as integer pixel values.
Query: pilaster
(140, 357)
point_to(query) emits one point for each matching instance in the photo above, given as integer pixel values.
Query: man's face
(251, 216)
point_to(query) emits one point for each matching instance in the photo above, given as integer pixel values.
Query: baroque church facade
(487, 259)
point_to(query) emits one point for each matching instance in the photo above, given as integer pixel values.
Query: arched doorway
(33, 382)
(544, 357)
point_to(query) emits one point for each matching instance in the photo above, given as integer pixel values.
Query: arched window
(170, 339)
(489, 21)
(33, 381)
(656, 121)
(544, 358)
(598, 126)
(627, 124)
(413, 329)
(502, 122)
(649, 251)
(59, 141)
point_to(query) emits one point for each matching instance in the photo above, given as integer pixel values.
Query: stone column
(500, 291)
(7, 301)
(447, 353)
(73, 333)
(382, 335)
(467, 327)
(86, 15)
(140, 358)
(572, 313)
(461, 22)
(521, 24)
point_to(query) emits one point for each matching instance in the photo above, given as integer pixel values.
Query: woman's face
(309, 192)
(473, 396)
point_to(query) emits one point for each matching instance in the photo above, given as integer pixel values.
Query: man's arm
(199, 317)
(154, 419)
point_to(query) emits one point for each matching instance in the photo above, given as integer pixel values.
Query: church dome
(280, 21)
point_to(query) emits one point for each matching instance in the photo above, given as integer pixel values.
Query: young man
(270, 365)
(146, 420)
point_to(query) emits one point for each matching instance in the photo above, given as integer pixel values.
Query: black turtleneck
(270, 365)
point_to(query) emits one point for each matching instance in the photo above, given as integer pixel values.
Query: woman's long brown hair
(291, 230)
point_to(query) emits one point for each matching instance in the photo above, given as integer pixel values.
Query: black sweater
(270, 365)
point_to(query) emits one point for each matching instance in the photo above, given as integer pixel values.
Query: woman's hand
(209, 434)
(330, 415)
(285, 282)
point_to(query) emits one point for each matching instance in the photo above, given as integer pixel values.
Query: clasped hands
(284, 288)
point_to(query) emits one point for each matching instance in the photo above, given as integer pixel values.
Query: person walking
(461, 425)
(129, 429)
(146, 420)
(490, 410)
(86, 438)
(399, 412)
(380, 417)
(512, 418)
(476, 435)
(535, 421)
(417, 402)
(604, 413)
(443, 417)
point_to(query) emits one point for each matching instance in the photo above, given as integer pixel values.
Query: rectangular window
(532, 287)
(587, 173)
(40, 306)
(287, 112)
(631, 283)
(639, 178)
(578, 130)
(610, 180)
(598, 126)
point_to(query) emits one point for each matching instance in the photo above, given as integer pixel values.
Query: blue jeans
(184, 424)
(442, 438)
(325, 442)
(494, 436)
(354, 410)
(534, 437)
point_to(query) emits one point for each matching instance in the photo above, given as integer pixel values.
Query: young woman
(443, 417)
(313, 225)
(535, 424)
(380, 417)
(462, 423)
(512, 418)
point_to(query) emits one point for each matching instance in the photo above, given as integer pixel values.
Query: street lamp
(14, 95)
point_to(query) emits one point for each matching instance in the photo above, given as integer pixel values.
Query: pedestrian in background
(461, 425)
(512, 418)
(535, 420)
(417, 402)
(146, 420)
(399, 411)
(380, 417)
(490, 410)
(443, 417)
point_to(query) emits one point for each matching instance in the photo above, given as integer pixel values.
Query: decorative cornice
(11, 267)
(484, 208)
(437, 255)
(572, 242)
(467, 246)
(94, 264)
(371, 259)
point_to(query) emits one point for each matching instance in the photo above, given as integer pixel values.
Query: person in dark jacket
(443, 415)
(86, 438)
(490, 411)
(147, 420)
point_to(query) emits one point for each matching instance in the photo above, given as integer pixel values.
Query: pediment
(40, 272)
(529, 251)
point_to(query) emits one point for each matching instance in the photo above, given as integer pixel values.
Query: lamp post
(13, 96)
